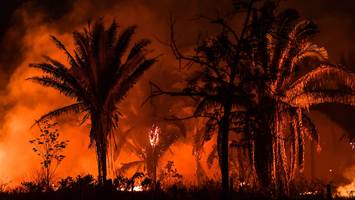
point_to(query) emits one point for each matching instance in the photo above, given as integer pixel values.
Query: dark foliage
(98, 77)
(259, 82)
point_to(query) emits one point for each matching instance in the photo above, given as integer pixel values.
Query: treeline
(252, 87)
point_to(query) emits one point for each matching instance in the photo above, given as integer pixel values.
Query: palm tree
(290, 74)
(101, 71)
(149, 151)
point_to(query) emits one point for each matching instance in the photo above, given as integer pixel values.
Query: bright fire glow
(347, 190)
(137, 188)
(154, 135)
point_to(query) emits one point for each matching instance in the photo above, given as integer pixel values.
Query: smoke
(23, 102)
(27, 38)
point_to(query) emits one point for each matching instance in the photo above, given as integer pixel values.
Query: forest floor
(171, 195)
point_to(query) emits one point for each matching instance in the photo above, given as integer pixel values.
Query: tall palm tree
(290, 74)
(101, 71)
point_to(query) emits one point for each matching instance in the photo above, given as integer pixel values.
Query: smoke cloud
(25, 38)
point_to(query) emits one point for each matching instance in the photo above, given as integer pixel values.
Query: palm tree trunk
(101, 147)
(263, 156)
(104, 162)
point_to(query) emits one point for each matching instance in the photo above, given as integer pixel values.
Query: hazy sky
(24, 21)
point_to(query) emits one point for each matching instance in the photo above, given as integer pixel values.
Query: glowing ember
(154, 135)
(138, 188)
(352, 144)
(309, 193)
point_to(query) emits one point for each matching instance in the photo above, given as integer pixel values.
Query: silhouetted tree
(215, 83)
(102, 70)
(248, 83)
(150, 151)
(169, 175)
(289, 74)
(50, 148)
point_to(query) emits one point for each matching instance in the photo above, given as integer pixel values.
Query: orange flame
(154, 135)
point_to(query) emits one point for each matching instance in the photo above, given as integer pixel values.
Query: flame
(347, 190)
(138, 188)
(154, 135)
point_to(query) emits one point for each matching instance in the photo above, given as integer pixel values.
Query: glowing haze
(23, 101)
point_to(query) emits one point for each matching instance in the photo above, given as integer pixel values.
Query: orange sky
(30, 101)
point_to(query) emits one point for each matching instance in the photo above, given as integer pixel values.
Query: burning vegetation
(240, 100)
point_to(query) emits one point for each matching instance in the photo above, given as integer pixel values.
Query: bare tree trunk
(223, 148)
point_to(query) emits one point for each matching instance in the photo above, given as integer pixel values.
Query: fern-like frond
(75, 108)
(321, 73)
(61, 46)
(127, 166)
(124, 40)
(120, 89)
(307, 99)
(60, 86)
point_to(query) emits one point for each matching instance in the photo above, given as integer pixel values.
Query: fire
(154, 135)
(309, 193)
(136, 188)
(347, 190)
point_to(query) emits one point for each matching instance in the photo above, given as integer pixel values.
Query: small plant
(146, 183)
(170, 176)
(50, 148)
(65, 183)
(33, 186)
(120, 182)
(85, 182)
(138, 182)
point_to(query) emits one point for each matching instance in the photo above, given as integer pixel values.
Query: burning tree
(50, 148)
(99, 76)
(150, 151)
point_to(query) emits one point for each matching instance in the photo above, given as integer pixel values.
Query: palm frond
(309, 128)
(111, 34)
(73, 108)
(138, 47)
(127, 166)
(321, 73)
(124, 40)
(60, 86)
(121, 88)
(61, 46)
(307, 99)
